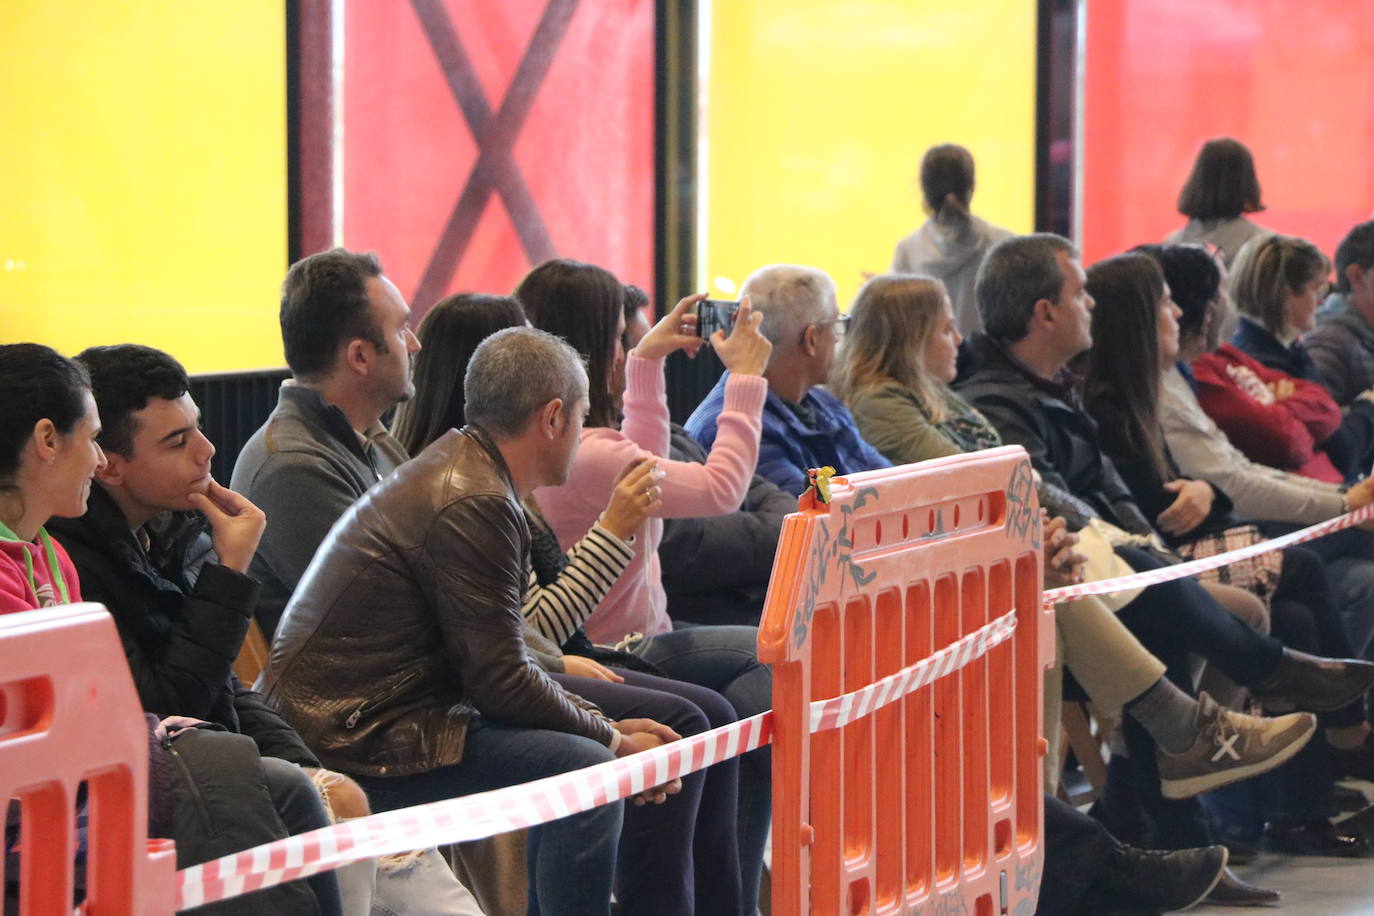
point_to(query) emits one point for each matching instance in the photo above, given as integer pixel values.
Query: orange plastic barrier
(68, 713)
(931, 804)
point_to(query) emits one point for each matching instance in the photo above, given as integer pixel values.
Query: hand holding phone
(715, 315)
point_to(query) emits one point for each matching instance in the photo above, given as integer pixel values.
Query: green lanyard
(53, 566)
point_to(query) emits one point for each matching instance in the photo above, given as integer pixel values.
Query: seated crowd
(532, 570)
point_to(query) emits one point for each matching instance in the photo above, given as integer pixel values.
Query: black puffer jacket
(716, 569)
(1047, 419)
(209, 793)
(180, 638)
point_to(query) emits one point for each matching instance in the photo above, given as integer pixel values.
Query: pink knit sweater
(636, 602)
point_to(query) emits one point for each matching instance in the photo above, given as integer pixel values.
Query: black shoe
(1360, 824)
(1357, 763)
(1347, 799)
(1160, 879)
(1318, 838)
(1239, 852)
(1302, 681)
(1231, 891)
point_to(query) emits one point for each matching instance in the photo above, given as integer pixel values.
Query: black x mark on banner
(495, 136)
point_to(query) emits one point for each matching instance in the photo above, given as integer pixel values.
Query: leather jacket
(408, 622)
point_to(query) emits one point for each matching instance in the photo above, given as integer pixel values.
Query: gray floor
(1312, 886)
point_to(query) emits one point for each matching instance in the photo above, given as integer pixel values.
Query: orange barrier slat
(68, 713)
(933, 803)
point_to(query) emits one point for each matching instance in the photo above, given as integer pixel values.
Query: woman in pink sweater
(628, 417)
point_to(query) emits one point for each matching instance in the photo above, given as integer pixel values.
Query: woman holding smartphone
(628, 417)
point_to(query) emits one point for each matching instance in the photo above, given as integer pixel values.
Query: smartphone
(713, 314)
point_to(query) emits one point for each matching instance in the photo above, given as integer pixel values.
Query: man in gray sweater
(349, 345)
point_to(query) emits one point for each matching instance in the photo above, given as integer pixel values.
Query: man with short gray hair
(804, 426)
(401, 657)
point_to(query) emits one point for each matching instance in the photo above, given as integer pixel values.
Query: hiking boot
(1230, 746)
(1157, 879)
(1302, 681)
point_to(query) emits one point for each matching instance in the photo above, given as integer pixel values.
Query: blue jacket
(788, 447)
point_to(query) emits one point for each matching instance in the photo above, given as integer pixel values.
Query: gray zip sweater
(304, 467)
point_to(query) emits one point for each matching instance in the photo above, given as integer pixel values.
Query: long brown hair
(889, 323)
(1122, 368)
(581, 303)
(449, 334)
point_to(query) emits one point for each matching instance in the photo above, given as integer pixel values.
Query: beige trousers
(1105, 658)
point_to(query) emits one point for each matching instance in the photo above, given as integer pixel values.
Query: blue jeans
(300, 809)
(726, 660)
(571, 861)
(681, 857)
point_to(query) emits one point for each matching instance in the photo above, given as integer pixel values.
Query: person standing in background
(951, 243)
(1220, 190)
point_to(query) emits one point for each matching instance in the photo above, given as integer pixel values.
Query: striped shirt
(557, 610)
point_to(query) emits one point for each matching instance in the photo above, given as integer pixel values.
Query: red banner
(482, 138)
(1293, 81)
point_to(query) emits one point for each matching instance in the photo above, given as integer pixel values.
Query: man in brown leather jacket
(400, 658)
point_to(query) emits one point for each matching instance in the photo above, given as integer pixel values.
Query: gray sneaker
(1231, 746)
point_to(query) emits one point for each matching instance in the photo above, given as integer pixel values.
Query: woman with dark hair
(1220, 190)
(1201, 448)
(1271, 417)
(686, 853)
(1135, 341)
(1282, 501)
(951, 243)
(627, 417)
(462, 322)
(48, 459)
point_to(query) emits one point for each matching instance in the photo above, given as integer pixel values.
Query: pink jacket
(636, 603)
(17, 593)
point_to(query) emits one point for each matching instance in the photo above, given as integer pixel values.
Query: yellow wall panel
(143, 177)
(817, 113)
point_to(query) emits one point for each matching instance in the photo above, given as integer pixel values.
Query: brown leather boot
(1231, 891)
(1302, 681)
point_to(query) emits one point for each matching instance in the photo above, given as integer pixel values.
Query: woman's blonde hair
(889, 323)
(1268, 267)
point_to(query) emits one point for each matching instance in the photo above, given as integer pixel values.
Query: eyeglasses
(839, 322)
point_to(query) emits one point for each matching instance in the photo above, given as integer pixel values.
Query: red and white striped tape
(473, 817)
(840, 711)
(1193, 567)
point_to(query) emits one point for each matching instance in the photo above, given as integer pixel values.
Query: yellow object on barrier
(931, 804)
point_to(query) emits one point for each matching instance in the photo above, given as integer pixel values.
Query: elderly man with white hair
(804, 426)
